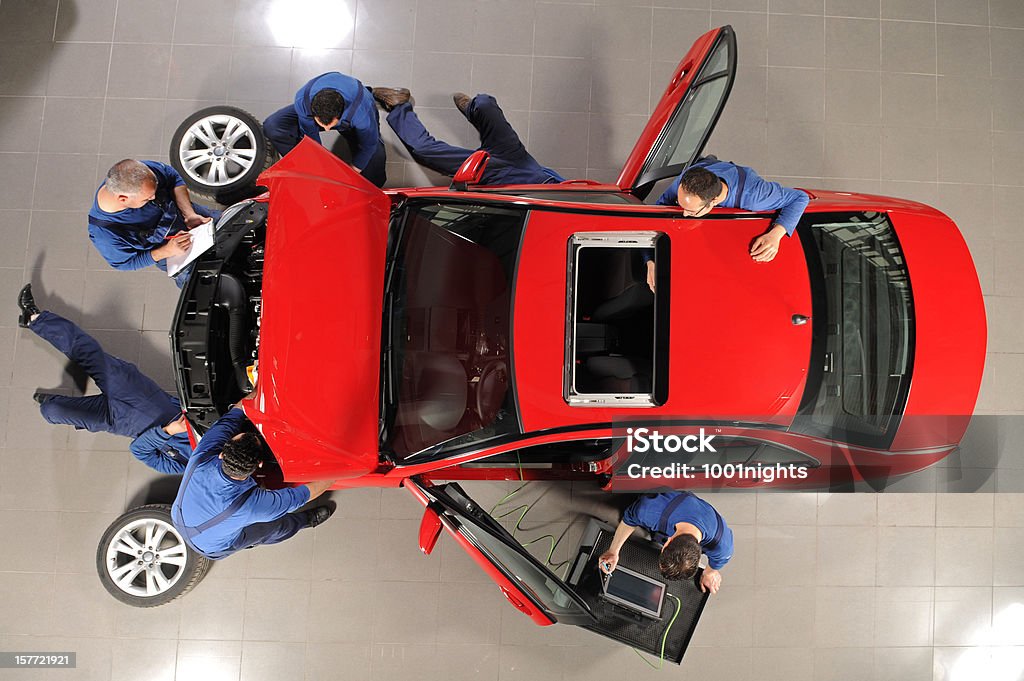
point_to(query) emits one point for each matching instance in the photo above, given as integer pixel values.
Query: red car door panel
(683, 120)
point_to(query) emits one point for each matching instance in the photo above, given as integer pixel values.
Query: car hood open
(320, 331)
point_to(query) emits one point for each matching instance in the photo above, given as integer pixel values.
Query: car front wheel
(220, 151)
(143, 561)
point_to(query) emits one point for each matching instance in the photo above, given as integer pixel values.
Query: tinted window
(691, 123)
(863, 329)
(509, 556)
(448, 310)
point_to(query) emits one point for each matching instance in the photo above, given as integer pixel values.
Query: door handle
(519, 605)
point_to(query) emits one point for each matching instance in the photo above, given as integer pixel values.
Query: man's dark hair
(701, 182)
(242, 456)
(327, 105)
(680, 558)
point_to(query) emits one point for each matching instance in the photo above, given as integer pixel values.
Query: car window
(686, 131)
(449, 309)
(617, 326)
(509, 556)
(862, 355)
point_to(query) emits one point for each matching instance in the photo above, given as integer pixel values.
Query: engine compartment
(215, 333)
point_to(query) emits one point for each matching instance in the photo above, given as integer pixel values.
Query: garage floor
(913, 98)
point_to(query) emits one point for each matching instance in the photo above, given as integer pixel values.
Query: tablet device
(635, 591)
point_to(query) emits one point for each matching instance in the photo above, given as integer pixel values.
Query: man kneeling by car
(220, 509)
(686, 525)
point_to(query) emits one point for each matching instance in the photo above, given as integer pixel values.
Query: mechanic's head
(699, 190)
(132, 183)
(241, 456)
(679, 558)
(327, 106)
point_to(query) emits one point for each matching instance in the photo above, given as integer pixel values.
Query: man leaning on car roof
(710, 182)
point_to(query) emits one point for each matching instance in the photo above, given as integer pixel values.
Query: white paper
(202, 241)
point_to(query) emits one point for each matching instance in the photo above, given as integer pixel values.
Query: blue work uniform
(358, 123)
(126, 237)
(659, 513)
(131, 404)
(510, 162)
(219, 515)
(747, 191)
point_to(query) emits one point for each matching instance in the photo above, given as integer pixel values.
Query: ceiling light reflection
(996, 655)
(312, 24)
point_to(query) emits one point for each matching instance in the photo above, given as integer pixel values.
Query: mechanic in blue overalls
(131, 404)
(710, 182)
(687, 525)
(220, 509)
(140, 216)
(510, 162)
(333, 101)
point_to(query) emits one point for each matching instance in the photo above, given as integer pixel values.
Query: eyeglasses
(698, 212)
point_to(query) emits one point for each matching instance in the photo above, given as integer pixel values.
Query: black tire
(112, 556)
(225, 170)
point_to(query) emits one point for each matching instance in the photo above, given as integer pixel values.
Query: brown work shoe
(390, 97)
(462, 101)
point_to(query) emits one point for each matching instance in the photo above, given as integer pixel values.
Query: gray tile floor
(914, 98)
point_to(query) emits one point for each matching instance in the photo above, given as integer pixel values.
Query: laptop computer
(634, 591)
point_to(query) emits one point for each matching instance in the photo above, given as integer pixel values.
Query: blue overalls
(218, 515)
(510, 162)
(670, 196)
(747, 191)
(659, 514)
(131, 404)
(359, 123)
(125, 238)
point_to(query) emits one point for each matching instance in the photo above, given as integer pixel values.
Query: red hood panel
(319, 370)
(950, 326)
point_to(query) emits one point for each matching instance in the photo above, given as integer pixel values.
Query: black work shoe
(320, 514)
(390, 97)
(41, 397)
(462, 101)
(28, 306)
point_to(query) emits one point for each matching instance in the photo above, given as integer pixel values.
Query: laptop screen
(636, 591)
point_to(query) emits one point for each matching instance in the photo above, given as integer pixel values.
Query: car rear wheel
(220, 151)
(143, 561)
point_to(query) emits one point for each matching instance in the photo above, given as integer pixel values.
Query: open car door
(526, 583)
(686, 115)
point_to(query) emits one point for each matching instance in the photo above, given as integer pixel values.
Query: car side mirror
(471, 171)
(430, 529)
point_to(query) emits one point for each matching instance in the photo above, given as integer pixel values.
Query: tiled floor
(914, 98)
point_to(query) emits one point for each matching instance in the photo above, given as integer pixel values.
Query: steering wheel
(486, 387)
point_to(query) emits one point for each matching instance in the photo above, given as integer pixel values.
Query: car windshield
(863, 317)
(448, 312)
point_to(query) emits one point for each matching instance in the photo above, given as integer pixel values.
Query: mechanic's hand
(766, 246)
(179, 244)
(250, 395)
(650, 275)
(608, 561)
(711, 580)
(195, 220)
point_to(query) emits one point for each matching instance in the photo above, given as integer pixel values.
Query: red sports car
(400, 337)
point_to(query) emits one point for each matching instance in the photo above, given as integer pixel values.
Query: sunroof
(617, 330)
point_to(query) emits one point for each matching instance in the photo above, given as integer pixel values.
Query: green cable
(664, 638)
(525, 508)
(554, 543)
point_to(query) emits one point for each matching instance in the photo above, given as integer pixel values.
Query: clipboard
(202, 241)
